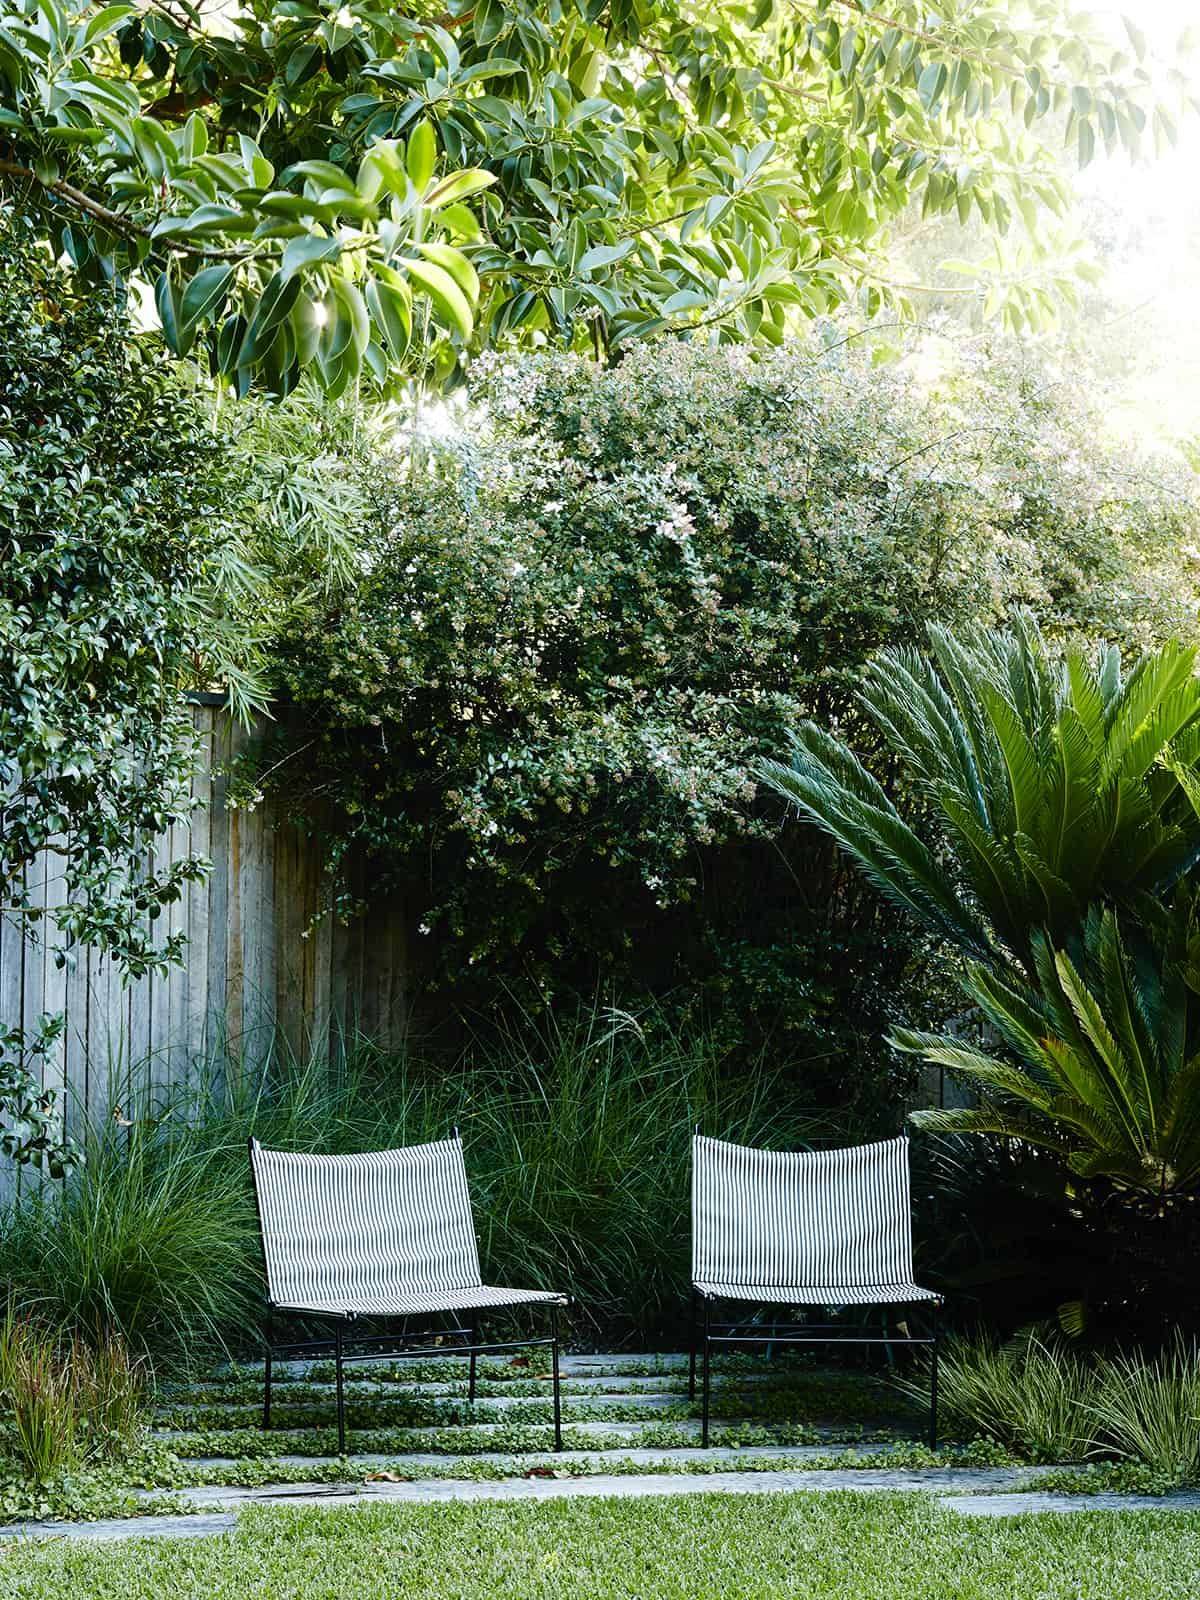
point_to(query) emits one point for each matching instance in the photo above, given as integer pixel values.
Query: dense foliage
(275, 167)
(1041, 786)
(574, 633)
(116, 509)
(1108, 1053)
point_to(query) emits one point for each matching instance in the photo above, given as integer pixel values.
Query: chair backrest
(365, 1225)
(821, 1218)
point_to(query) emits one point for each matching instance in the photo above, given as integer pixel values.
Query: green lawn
(832, 1546)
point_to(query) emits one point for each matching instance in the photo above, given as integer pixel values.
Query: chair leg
(341, 1391)
(474, 1358)
(933, 1377)
(692, 1351)
(266, 1422)
(558, 1444)
(707, 1380)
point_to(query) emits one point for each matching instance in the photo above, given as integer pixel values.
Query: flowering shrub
(575, 630)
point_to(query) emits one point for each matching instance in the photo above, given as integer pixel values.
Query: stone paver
(538, 1486)
(639, 1457)
(569, 1365)
(1015, 1505)
(484, 1406)
(188, 1527)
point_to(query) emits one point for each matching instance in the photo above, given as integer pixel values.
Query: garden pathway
(446, 1450)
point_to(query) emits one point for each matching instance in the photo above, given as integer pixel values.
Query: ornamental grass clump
(578, 1127)
(1052, 1403)
(1149, 1410)
(64, 1404)
(150, 1240)
(1029, 1394)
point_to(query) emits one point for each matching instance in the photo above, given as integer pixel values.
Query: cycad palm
(1109, 1050)
(1051, 784)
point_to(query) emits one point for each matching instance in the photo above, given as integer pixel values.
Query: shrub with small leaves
(573, 633)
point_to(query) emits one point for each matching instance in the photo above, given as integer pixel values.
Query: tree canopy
(340, 188)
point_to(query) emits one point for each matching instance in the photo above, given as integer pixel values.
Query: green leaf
(203, 297)
(382, 168)
(105, 20)
(422, 154)
(390, 306)
(447, 297)
(603, 255)
(306, 324)
(456, 264)
(1136, 37)
(930, 83)
(458, 186)
(323, 173)
(306, 251)
(274, 304)
(349, 297)
(166, 298)
(194, 138)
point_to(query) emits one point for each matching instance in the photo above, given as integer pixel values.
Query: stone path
(540, 1475)
(958, 1489)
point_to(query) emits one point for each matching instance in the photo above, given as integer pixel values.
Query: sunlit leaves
(606, 172)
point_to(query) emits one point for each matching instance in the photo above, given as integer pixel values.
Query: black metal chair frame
(346, 1347)
(707, 1334)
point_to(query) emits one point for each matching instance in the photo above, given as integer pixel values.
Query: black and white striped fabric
(384, 1234)
(822, 1227)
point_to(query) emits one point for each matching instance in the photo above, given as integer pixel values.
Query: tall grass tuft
(63, 1404)
(37, 1400)
(1031, 1395)
(151, 1240)
(1149, 1409)
(577, 1131)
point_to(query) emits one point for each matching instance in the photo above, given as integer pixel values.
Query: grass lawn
(835, 1546)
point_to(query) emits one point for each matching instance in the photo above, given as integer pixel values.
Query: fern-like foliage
(1102, 1058)
(1045, 784)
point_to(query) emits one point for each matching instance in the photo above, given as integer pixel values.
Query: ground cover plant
(840, 1547)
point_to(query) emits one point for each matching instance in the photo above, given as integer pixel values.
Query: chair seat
(870, 1294)
(420, 1302)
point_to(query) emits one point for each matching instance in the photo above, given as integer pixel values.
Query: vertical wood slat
(215, 978)
(257, 967)
(12, 987)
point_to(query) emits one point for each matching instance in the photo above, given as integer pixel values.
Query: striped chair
(385, 1237)
(825, 1228)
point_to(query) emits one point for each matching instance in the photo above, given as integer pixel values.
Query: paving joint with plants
(629, 1430)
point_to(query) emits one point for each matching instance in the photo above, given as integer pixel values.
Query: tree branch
(118, 221)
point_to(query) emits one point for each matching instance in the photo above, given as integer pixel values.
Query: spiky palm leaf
(1051, 783)
(1105, 1050)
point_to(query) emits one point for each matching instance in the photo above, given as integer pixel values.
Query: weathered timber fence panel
(254, 972)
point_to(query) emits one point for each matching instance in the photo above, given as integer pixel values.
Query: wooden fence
(254, 971)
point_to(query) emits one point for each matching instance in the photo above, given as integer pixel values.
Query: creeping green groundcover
(756, 1547)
